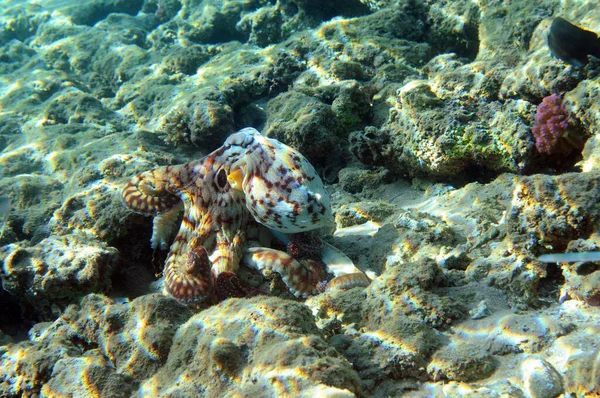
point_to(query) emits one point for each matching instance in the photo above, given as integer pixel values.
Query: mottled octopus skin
(251, 177)
(308, 278)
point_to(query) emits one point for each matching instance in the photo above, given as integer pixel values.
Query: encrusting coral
(551, 125)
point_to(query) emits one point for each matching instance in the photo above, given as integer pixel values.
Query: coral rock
(58, 268)
(540, 379)
(463, 363)
(261, 343)
(82, 375)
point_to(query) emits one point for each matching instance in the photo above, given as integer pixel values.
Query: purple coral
(551, 124)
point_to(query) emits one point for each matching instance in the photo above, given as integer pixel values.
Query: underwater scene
(300, 198)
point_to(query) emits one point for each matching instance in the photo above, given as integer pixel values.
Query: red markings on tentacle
(308, 277)
(228, 285)
(305, 245)
(190, 280)
(348, 281)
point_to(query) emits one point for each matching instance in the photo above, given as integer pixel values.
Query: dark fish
(571, 43)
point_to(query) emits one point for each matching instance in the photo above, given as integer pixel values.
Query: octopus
(251, 187)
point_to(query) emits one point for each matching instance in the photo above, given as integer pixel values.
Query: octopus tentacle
(348, 281)
(303, 278)
(163, 227)
(154, 191)
(188, 277)
(228, 285)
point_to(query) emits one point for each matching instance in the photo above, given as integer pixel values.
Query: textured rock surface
(100, 343)
(255, 346)
(462, 363)
(86, 375)
(58, 269)
(551, 209)
(540, 379)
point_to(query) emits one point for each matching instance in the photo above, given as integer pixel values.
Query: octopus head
(282, 189)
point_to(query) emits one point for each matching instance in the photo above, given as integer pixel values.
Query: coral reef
(419, 117)
(551, 125)
(205, 124)
(428, 133)
(305, 123)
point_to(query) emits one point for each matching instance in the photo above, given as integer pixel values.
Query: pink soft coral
(551, 125)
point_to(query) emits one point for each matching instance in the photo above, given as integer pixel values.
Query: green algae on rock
(426, 134)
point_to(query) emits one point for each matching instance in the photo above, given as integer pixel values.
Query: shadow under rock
(138, 265)
(15, 319)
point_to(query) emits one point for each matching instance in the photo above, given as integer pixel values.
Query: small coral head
(551, 126)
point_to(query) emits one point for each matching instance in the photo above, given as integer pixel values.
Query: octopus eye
(222, 178)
